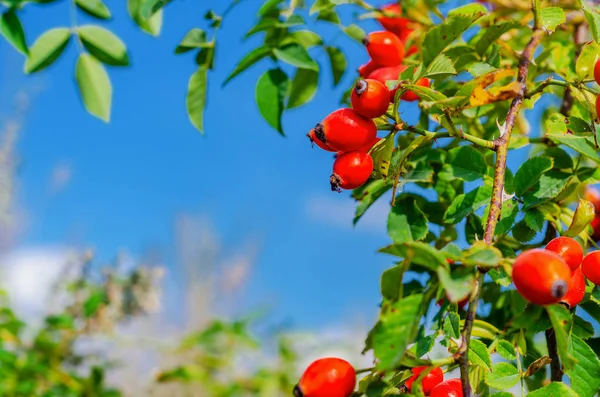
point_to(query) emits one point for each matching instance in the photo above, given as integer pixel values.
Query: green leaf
(355, 32)
(585, 376)
(12, 30)
(506, 350)
(305, 38)
(195, 38)
(149, 8)
(530, 172)
(97, 298)
(552, 17)
(382, 156)
(584, 66)
(391, 279)
(297, 56)
(523, 233)
(451, 325)
(304, 87)
(196, 97)
(62, 321)
(396, 329)
(503, 376)
(583, 216)
(150, 25)
(269, 7)
(248, 60)
(271, 89)
(578, 143)
(367, 194)
(46, 49)
(554, 389)
(95, 8)
(338, 63)
(535, 220)
(466, 163)
(593, 19)
(457, 288)
(550, 185)
(441, 66)
(103, 45)
(420, 253)
(464, 204)
(440, 36)
(406, 221)
(561, 322)
(479, 355)
(493, 33)
(94, 86)
(481, 254)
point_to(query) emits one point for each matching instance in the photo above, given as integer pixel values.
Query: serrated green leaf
(94, 86)
(550, 185)
(593, 19)
(481, 254)
(12, 30)
(578, 143)
(585, 376)
(562, 322)
(271, 89)
(196, 97)
(248, 60)
(390, 282)
(584, 67)
(522, 232)
(104, 45)
(382, 156)
(440, 36)
(457, 288)
(530, 172)
(306, 38)
(503, 376)
(367, 194)
(478, 69)
(535, 220)
(451, 326)
(338, 63)
(493, 33)
(441, 66)
(420, 253)
(396, 329)
(506, 350)
(304, 87)
(95, 8)
(583, 329)
(554, 389)
(479, 355)
(552, 17)
(297, 56)
(464, 204)
(406, 221)
(46, 49)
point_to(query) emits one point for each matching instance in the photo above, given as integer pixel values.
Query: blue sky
(132, 176)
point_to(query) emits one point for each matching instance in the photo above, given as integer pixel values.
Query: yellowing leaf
(480, 96)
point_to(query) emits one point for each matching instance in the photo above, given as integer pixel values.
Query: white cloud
(338, 211)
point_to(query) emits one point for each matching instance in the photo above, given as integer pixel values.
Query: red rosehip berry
(593, 196)
(365, 70)
(384, 48)
(351, 170)
(345, 130)
(411, 50)
(370, 98)
(591, 267)
(431, 380)
(568, 249)
(448, 388)
(314, 140)
(388, 73)
(597, 71)
(461, 303)
(410, 96)
(394, 22)
(542, 277)
(576, 289)
(327, 377)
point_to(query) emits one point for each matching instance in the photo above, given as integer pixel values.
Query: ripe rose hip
(448, 388)
(392, 73)
(394, 22)
(314, 140)
(345, 130)
(370, 98)
(593, 196)
(568, 249)
(351, 170)
(542, 277)
(410, 96)
(591, 267)
(384, 48)
(365, 70)
(576, 289)
(597, 71)
(327, 377)
(431, 380)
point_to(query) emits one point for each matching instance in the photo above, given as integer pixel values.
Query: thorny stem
(501, 145)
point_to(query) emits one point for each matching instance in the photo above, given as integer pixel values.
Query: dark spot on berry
(361, 87)
(320, 133)
(298, 392)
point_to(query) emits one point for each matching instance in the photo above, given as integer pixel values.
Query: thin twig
(501, 145)
(556, 372)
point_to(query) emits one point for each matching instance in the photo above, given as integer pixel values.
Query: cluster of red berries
(351, 133)
(557, 273)
(334, 377)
